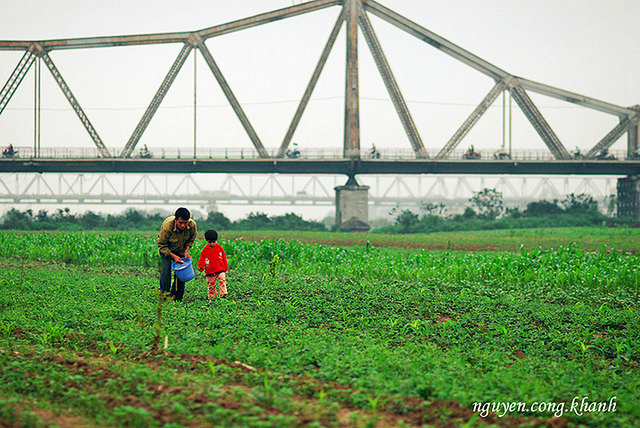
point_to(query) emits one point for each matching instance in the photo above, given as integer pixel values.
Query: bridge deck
(323, 166)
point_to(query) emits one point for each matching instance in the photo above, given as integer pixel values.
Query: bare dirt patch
(393, 410)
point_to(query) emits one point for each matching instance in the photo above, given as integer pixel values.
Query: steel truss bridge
(354, 17)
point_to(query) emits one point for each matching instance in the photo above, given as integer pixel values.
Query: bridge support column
(352, 207)
(629, 196)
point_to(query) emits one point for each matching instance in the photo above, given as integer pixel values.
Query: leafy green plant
(114, 348)
(6, 327)
(375, 403)
(50, 334)
(274, 264)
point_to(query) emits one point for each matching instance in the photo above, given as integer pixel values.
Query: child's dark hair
(211, 235)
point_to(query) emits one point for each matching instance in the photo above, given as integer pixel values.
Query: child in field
(213, 261)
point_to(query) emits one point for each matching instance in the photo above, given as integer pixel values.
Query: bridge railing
(313, 153)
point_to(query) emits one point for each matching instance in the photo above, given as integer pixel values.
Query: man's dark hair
(211, 235)
(183, 213)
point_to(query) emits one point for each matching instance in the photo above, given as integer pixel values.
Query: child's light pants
(211, 284)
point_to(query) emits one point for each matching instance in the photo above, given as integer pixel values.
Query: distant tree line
(132, 219)
(486, 211)
(261, 221)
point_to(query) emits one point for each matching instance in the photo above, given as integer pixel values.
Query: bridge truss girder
(354, 15)
(211, 190)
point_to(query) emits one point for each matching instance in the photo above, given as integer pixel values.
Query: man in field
(177, 234)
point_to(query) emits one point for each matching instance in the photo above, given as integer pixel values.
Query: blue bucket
(184, 271)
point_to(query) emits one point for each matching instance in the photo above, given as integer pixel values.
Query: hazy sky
(584, 46)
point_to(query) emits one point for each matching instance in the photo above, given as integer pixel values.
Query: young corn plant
(622, 351)
(274, 265)
(51, 333)
(6, 327)
(413, 327)
(268, 395)
(114, 348)
(584, 348)
(375, 403)
(213, 368)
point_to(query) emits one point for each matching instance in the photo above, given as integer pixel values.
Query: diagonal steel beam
(543, 188)
(104, 152)
(473, 118)
(461, 185)
(174, 37)
(184, 184)
(311, 86)
(71, 188)
(237, 108)
(315, 182)
(539, 123)
(434, 40)
(229, 180)
(157, 99)
(9, 190)
(611, 137)
(438, 185)
(267, 17)
(392, 86)
(16, 77)
(146, 182)
(35, 179)
(574, 98)
(102, 180)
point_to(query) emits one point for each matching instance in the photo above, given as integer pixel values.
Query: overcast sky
(584, 46)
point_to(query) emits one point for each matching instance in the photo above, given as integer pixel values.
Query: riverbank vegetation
(485, 212)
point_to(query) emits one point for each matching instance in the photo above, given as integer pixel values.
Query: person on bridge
(177, 235)
(373, 152)
(145, 153)
(9, 151)
(471, 153)
(293, 152)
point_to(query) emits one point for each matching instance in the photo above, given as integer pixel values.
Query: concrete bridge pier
(629, 196)
(352, 207)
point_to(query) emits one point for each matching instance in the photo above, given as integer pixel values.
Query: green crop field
(589, 238)
(324, 335)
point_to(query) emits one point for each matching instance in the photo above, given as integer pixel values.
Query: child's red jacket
(217, 259)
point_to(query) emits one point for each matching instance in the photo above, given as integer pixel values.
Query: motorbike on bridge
(373, 152)
(9, 152)
(145, 153)
(471, 154)
(576, 154)
(293, 152)
(501, 154)
(605, 155)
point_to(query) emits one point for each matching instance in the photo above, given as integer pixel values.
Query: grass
(589, 238)
(314, 334)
